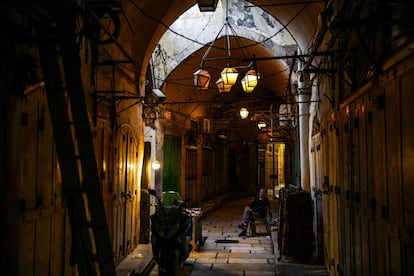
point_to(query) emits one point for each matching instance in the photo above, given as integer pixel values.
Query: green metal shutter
(172, 163)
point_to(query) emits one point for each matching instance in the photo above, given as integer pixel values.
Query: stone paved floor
(225, 253)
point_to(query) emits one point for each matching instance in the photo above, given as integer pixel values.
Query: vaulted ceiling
(149, 20)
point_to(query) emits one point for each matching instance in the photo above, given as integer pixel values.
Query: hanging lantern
(223, 88)
(249, 81)
(229, 75)
(201, 79)
(244, 113)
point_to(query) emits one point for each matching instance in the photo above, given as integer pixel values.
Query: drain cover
(227, 241)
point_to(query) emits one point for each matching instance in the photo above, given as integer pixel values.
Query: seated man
(258, 208)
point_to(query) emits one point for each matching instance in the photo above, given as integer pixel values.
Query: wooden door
(125, 192)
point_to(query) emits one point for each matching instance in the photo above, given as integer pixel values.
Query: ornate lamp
(229, 75)
(222, 87)
(249, 81)
(201, 79)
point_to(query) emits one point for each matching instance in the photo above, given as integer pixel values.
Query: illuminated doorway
(271, 166)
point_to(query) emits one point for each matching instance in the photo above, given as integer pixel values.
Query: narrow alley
(107, 105)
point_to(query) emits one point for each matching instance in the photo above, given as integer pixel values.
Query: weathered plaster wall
(193, 30)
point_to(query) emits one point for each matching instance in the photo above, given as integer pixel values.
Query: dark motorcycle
(170, 237)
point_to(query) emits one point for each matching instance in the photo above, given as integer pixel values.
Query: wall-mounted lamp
(244, 113)
(156, 165)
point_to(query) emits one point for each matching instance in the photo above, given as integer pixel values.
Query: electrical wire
(202, 44)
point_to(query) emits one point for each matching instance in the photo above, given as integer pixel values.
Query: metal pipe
(320, 53)
(287, 4)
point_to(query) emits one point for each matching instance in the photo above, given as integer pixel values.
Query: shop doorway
(271, 166)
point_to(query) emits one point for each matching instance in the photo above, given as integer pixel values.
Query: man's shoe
(243, 226)
(243, 233)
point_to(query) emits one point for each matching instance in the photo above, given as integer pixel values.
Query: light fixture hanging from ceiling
(249, 81)
(261, 124)
(244, 113)
(201, 79)
(222, 87)
(229, 74)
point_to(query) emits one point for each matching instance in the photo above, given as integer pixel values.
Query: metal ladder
(59, 55)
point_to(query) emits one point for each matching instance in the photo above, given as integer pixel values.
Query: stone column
(303, 99)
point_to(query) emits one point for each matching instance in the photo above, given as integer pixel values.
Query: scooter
(170, 236)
